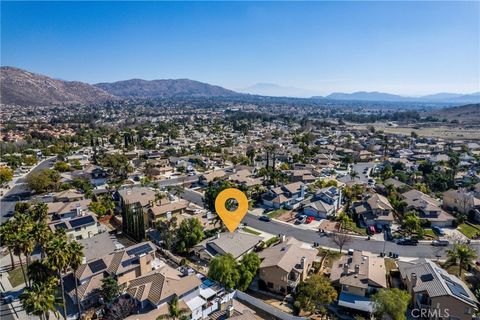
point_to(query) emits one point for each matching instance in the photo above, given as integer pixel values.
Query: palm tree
(76, 260)
(461, 255)
(58, 257)
(174, 311)
(25, 243)
(7, 238)
(39, 271)
(42, 234)
(40, 299)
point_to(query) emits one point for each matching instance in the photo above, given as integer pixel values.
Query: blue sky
(407, 48)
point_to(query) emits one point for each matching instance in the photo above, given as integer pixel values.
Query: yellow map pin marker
(231, 218)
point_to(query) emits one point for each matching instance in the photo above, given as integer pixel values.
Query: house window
(468, 310)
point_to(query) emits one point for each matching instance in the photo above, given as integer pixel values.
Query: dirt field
(445, 132)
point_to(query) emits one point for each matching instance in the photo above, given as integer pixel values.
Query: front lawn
(276, 213)
(271, 241)
(352, 226)
(248, 230)
(469, 231)
(16, 277)
(429, 234)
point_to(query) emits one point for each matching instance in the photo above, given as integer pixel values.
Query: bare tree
(341, 239)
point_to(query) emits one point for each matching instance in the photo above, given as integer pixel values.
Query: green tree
(167, 230)
(391, 303)
(248, 269)
(6, 175)
(411, 223)
(224, 269)
(61, 166)
(189, 233)
(314, 294)
(44, 180)
(462, 255)
(110, 290)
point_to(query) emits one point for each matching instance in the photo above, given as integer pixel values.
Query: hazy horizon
(404, 48)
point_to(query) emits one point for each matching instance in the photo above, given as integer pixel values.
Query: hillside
(467, 114)
(26, 88)
(164, 88)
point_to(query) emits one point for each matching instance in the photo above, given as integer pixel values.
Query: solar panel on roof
(61, 226)
(458, 291)
(426, 277)
(139, 250)
(75, 223)
(97, 266)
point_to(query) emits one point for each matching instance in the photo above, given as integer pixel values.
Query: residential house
(462, 201)
(285, 264)
(165, 211)
(134, 205)
(209, 177)
(244, 177)
(325, 203)
(440, 294)
(427, 208)
(69, 195)
(376, 210)
(286, 196)
(123, 265)
(67, 210)
(236, 243)
(83, 226)
(358, 276)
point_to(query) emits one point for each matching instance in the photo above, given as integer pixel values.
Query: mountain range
(443, 97)
(18, 86)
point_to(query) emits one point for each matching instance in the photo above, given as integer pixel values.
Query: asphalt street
(422, 250)
(19, 192)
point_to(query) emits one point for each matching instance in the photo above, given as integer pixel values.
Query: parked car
(440, 243)
(309, 219)
(407, 242)
(438, 231)
(301, 219)
(265, 218)
(350, 252)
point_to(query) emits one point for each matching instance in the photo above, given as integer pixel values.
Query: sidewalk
(13, 310)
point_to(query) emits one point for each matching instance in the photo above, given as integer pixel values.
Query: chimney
(78, 210)
(303, 263)
(230, 311)
(345, 268)
(357, 268)
(414, 279)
